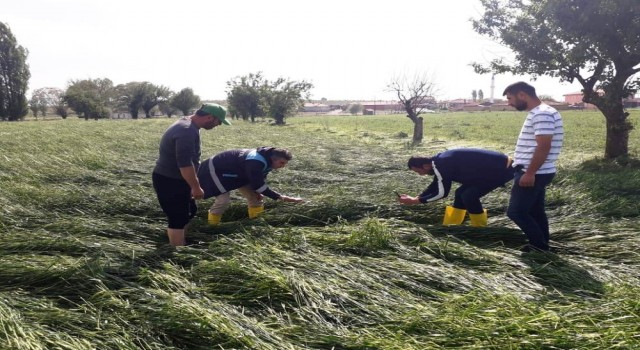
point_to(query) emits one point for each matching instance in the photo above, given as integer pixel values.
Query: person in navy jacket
(478, 172)
(245, 170)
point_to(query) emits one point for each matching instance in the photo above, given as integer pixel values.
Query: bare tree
(415, 93)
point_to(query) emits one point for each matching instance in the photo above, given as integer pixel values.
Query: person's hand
(291, 199)
(197, 193)
(259, 196)
(527, 180)
(408, 200)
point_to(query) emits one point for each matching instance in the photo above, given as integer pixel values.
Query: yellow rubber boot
(214, 219)
(254, 212)
(478, 220)
(453, 216)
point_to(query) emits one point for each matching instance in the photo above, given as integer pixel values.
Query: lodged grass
(84, 261)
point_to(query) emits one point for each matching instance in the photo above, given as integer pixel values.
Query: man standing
(537, 150)
(245, 170)
(478, 171)
(174, 176)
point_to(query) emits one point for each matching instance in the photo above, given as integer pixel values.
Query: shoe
(453, 216)
(254, 212)
(214, 219)
(478, 220)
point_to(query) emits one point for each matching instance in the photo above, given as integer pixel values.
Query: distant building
(316, 108)
(574, 100)
(459, 104)
(382, 106)
(469, 105)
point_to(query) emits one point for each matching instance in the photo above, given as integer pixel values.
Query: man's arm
(438, 189)
(189, 175)
(257, 180)
(543, 146)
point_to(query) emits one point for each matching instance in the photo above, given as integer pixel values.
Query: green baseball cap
(215, 110)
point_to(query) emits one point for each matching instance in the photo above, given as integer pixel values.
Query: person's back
(244, 170)
(472, 166)
(179, 146)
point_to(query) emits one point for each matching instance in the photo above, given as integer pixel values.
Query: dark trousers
(527, 209)
(175, 200)
(468, 197)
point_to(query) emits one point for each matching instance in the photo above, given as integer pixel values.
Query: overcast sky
(347, 49)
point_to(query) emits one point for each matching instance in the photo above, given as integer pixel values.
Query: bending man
(245, 170)
(478, 171)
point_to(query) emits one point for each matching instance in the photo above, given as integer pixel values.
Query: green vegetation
(84, 261)
(14, 76)
(250, 96)
(589, 41)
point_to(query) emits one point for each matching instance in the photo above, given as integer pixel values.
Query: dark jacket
(467, 166)
(236, 168)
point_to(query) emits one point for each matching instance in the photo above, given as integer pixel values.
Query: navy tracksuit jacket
(236, 168)
(468, 166)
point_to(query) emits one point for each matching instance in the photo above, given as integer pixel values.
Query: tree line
(248, 97)
(594, 42)
(99, 98)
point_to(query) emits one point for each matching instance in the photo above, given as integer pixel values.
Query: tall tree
(155, 94)
(91, 98)
(414, 94)
(56, 101)
(474, 94)
(595, 42)
(44, 99)
(185, 101)
(285, 97)
(245, 97)
(14, 76)
(166, 108)
(480, 95)
(130, 96)
(36, 104)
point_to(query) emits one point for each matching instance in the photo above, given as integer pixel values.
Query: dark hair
(418, 162)
(520, 86)
(281, 153)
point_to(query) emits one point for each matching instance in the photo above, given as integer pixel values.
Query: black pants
(468, 196)
(527, 209)
(175, 200)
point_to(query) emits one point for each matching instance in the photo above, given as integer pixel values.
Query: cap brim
(225, 122)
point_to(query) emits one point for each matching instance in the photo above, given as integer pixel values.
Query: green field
(85, 262)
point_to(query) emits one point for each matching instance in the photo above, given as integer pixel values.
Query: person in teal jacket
(244, 170)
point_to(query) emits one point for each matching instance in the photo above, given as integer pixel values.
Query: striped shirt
(542, 120)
